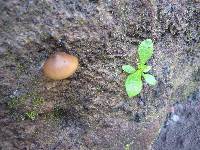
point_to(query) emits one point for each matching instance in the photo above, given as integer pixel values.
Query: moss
(31, 115)
(20, 69)
(54, 116)
(18, 105)
(17, 101)
(58, 112)
(37, 100)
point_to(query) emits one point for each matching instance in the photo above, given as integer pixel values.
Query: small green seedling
(133, 82)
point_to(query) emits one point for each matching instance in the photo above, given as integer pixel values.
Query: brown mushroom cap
(60, 66)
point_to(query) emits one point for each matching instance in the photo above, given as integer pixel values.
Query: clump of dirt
(91, 110)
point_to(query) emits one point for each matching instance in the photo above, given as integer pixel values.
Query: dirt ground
(91, 110)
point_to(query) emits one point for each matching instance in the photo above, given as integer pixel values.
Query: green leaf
(128, 69)
(150, 79)
(147, 68)
(145, 50)
(133, 84)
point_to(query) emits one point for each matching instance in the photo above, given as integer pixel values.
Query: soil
(91, 110)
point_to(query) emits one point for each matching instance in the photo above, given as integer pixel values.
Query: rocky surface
(181, 130)
(91, 110)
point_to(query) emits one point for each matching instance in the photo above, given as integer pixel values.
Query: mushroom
(60, 66)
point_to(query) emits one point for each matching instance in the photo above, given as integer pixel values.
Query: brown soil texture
(91, 110)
